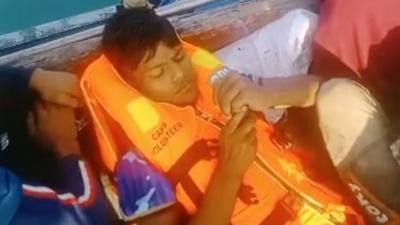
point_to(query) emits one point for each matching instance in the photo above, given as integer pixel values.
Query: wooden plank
(211, 29)
(47, 32)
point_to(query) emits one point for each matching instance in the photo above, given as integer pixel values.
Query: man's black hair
(130, 33)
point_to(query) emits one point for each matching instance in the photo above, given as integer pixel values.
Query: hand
(235, 94)
(53, 126)
(238, 145)
(60, 88)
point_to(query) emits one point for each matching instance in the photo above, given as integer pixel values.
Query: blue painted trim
(35, 42)
(43, 33)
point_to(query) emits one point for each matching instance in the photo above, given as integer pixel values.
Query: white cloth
(350, 119)
(279, 49)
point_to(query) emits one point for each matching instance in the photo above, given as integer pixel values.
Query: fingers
(233, 123)
(67, 100)
(62, 112)
(239, 104)
(76, 93)
(57, 87)
(218, 84)
(71, 95)
(40, 111)
(226, 90)
(246, 133)
(74, 90)
(225, 101)
(46, 110)
(251, 136)
(239, 144)
(247, 125)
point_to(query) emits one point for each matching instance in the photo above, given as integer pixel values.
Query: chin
(187, 99)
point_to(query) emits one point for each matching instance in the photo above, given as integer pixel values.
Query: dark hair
(130, 33)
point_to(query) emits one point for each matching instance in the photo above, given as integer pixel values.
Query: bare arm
(297, 91)
(173, 215)
(219, 201)
(235, 93)
(237, 152)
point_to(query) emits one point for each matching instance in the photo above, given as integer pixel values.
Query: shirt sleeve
(10, 195)
(142, 188)
(81, 196)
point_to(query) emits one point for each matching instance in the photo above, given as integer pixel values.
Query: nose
(177, 72)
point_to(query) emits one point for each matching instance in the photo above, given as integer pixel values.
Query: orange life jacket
(179, 141)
